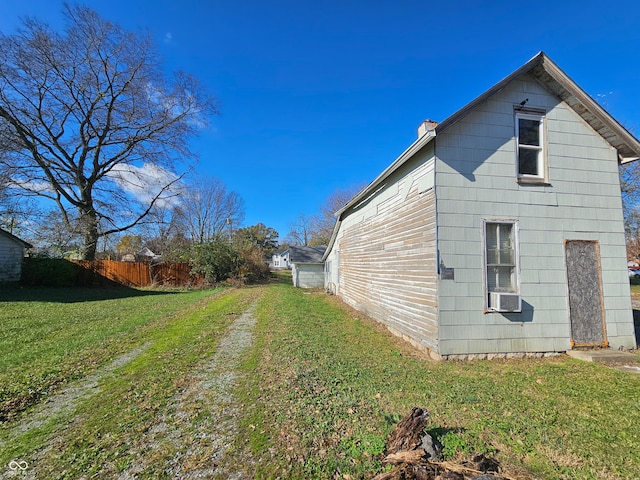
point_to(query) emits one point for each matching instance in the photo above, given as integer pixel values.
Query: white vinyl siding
(384, 258)
(11, 255)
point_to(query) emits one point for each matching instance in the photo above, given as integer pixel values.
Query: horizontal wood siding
(476, 179)
(387, 259)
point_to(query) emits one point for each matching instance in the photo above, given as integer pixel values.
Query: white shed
(12, 251)
(307, 267)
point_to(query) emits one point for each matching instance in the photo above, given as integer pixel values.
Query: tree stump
(415, 455)
(408, 433)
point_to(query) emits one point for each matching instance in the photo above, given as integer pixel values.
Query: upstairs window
(531, 155)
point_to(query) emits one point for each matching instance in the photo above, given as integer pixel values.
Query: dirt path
(200, 423)
(60, 405)
(67, 400)
(203, 448)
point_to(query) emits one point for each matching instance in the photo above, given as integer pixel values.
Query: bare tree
(300, 233)
(163, 231)
(208, 211)
(53, 237)
(19, 216)
(323, 223)
(7, 145)
(630, 186)
(95, 124)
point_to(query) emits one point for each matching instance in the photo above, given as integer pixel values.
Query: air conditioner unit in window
(505, 302)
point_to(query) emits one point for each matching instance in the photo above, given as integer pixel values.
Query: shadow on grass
(281, 276)
(439, 432)
(17, 293)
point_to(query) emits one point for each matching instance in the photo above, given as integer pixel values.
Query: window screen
(501, 257)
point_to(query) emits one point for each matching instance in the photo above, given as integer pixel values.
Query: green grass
(113, 431)
(49, 336)
(327, 388)
(323, 387)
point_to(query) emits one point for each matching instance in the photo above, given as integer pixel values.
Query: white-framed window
(530, 154)
(501, 259)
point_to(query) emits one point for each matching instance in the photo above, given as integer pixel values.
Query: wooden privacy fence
(137, 274)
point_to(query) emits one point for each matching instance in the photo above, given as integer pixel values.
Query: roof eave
(378, 183)
(554, 78)
(543, 69)
(449, 121)
(15, 239)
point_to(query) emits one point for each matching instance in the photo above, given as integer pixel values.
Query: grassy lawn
(49, 336)
(327, 388)
(321, 389)
(112, 432)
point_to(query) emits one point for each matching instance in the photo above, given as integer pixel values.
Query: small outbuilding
(12, 252)
(307, 267)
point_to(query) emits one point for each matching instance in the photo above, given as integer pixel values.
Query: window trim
(540, 116)
(485, 263)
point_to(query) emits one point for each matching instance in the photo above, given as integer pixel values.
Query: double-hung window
(501, 263)
(530, 153)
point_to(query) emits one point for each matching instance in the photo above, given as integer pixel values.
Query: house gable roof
(12, 237)
(545, 71)
(306, 254)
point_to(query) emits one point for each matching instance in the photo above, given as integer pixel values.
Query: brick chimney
(426, 126)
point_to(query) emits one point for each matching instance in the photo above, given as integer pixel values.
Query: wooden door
(586, 312)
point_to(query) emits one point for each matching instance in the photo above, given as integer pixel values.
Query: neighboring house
(280, 259)
(500, 230)
(144, 255)
(147, 255)
(307, 267)
(12, 251)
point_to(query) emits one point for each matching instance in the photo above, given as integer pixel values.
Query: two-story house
(500, 229)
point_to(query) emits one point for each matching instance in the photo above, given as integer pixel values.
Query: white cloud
(146, 182)
(172, 105)
(39, 187)
(168, 37)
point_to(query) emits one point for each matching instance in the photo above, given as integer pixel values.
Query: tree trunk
(90, 234)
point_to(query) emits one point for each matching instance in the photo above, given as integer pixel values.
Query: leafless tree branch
(77, 107)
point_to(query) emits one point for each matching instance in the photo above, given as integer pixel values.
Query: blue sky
(317, 96)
